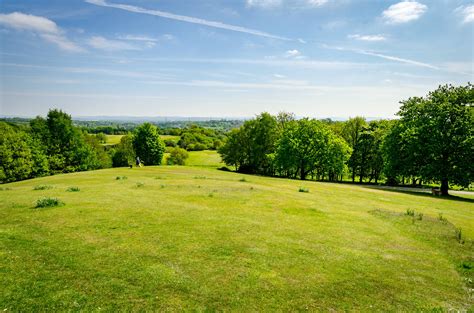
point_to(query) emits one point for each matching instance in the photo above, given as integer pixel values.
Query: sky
(229, 58)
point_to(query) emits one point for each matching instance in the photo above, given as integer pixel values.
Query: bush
(42, 187)
(48, 202)
(303, 189)
(140, 184)
(73, 189)
(121, 177)
(177, 156)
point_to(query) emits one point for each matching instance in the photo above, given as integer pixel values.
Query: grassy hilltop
(197, 238)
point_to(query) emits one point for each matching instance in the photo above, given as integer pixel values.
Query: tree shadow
(422, 194)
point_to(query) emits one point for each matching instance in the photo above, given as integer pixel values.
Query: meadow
(195, 238)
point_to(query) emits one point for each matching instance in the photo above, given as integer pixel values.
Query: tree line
(52, 145)
(432, 142)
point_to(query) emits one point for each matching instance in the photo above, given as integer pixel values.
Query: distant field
(173, 238)
(115, 139)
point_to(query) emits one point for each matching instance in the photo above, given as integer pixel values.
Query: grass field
(115, 139)
(195, 238)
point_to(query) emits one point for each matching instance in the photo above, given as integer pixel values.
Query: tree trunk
(444, 187)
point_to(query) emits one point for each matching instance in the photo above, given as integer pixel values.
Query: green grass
(113, 140)
(170, 137)
(181, 243)
(206, 158)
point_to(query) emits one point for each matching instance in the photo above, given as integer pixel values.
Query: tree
(438, 135)
(16, 160)
(303, 148)
(350, 132)
(124, 155)
(177, 156)
(148, 144)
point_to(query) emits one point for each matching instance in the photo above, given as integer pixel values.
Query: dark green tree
(438, 131)
(148, 144)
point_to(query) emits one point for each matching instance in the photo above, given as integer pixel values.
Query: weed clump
(48, 202)
(42, 187)
(6, 188)
(442, 218)
(303, 189)
(243, 180)
(410, 212)
(121, 177)
(459, 235)
(140, 184)
(73, 189)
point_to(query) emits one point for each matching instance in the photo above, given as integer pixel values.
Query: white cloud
(292, 53)
(386, 57)
(45, 28)
(368, 37)
(279, 76)
(404, 12)
(138, 38)
(263, 3)
(317, 3)
(467, 13)
(102, 43)
(187, 19)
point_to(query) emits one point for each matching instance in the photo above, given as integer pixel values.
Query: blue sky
(233, 58)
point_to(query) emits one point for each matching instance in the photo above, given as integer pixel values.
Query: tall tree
(351, 132)
(439, 133)
(148, 144)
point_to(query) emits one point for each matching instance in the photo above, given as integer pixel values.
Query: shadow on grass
(422, 194)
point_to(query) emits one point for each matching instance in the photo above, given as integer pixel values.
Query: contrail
(188, 19)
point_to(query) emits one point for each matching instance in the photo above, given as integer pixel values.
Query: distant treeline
(432, 142)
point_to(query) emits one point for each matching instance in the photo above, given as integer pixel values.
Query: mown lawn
(195, 238)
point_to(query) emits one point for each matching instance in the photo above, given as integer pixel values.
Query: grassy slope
(199, 238)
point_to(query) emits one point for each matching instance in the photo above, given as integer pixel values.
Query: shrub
(303, 189)
(140, 184)
(73, 189)
(243, 179)
(442, 218)
(121, 177)
(42, 187)
(48, 202)
(177, 156)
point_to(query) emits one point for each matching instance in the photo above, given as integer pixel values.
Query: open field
(196, 238)
(115, 139)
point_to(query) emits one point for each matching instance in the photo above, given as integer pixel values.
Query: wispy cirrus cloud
(367, 37)
(45, 28)
(187, 19)
(384, 56)
(269, 4)
(403, 12)
(105, 44)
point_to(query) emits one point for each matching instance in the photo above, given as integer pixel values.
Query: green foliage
(303, 189)
(148, 144)
(434, 137)
(309, 147)
(48, 202)
(196, 138)
(73, 189)
(21, 155)
(251, 148)
(121, 177)
(124, 155)
(410, 212)
(140, 184)
(177, 156)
